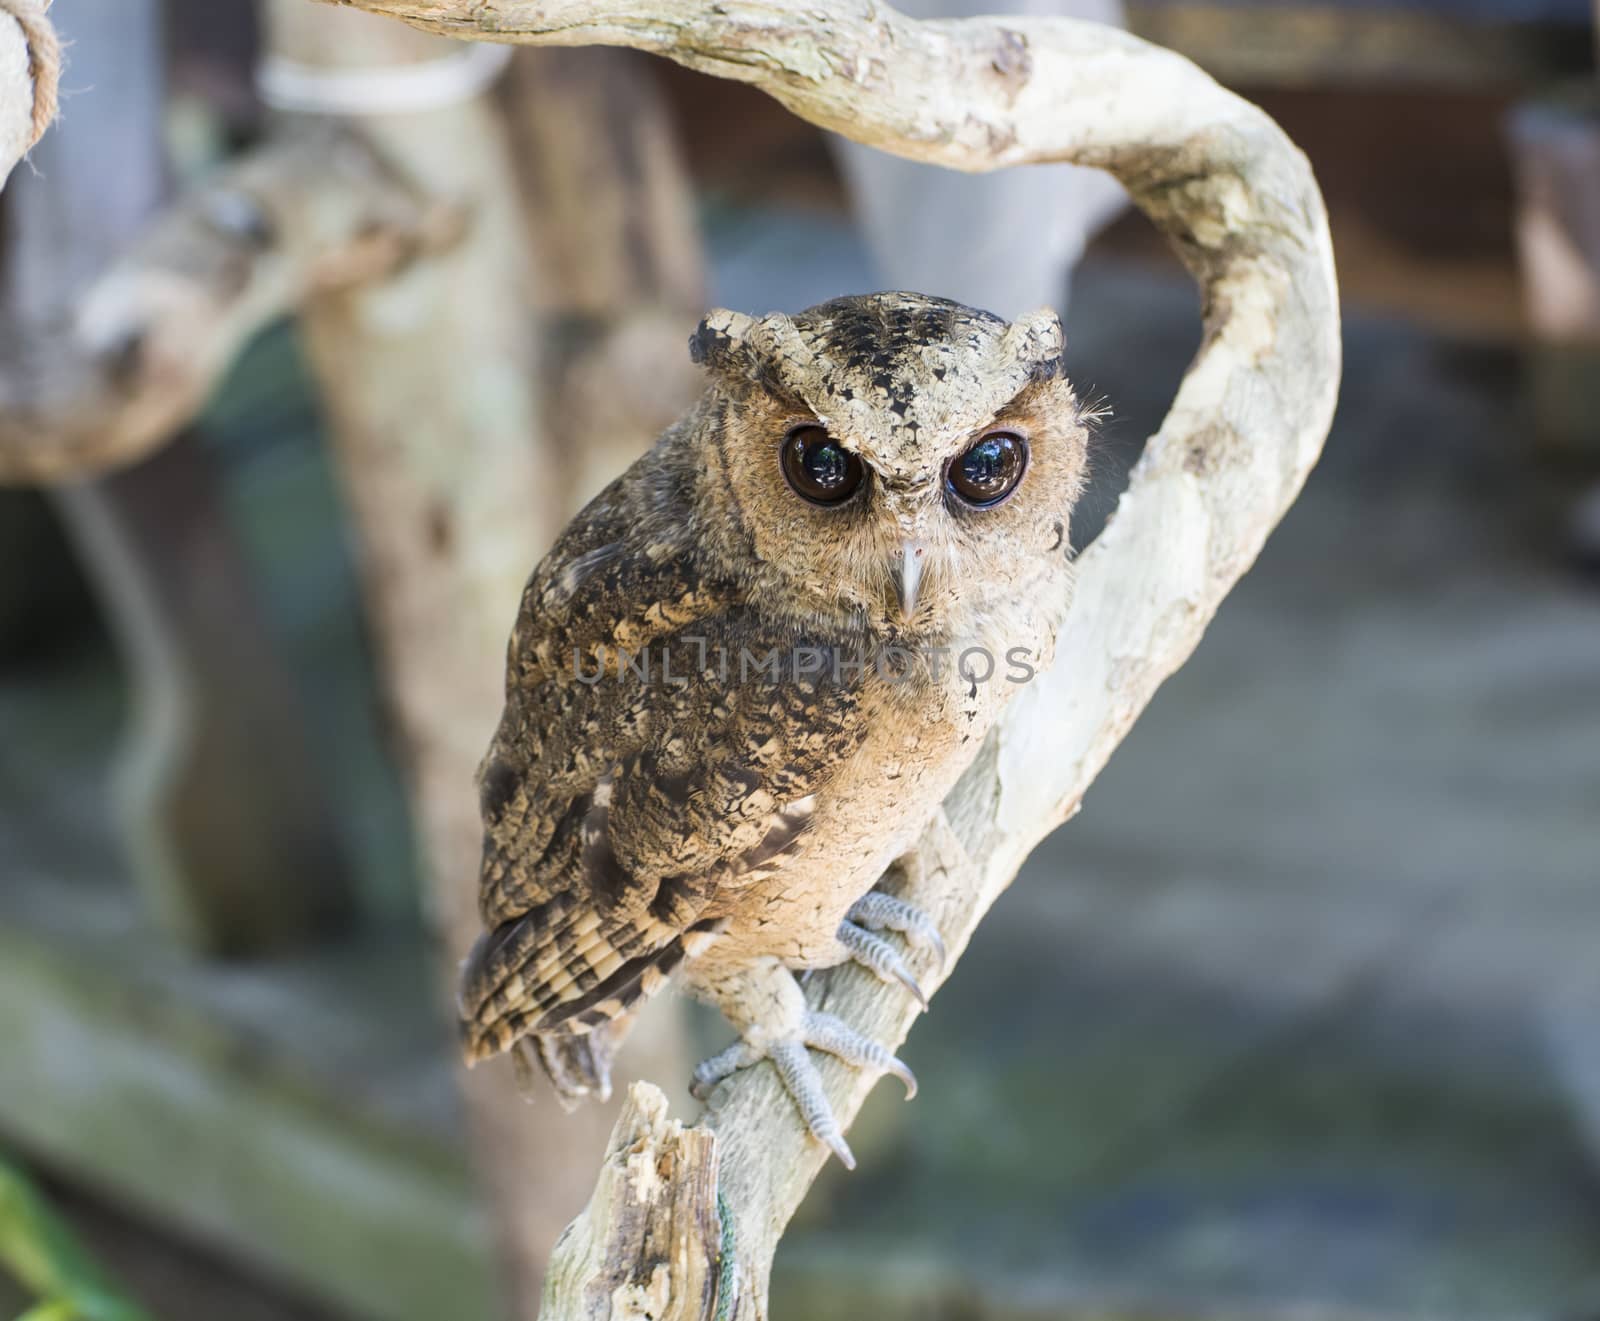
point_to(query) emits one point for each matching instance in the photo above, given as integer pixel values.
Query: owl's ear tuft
(718, 340)
(776, 338)
(1038, 341)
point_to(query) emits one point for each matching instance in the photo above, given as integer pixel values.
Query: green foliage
(37, 1247)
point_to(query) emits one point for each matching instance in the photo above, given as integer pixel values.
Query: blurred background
(1299, 1018)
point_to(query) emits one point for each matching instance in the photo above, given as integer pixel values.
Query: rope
(44, 59)
(387, 90)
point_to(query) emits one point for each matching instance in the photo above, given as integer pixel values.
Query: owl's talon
(874, 952)
(724, 1064)
(877, 911)
(804, 1085)
(792, 1059)
(833, 1035)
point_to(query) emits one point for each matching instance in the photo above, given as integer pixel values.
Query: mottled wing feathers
(621, 802)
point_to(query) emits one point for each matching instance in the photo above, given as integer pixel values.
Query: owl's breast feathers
(639, 777)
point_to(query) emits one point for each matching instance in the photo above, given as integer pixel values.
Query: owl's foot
(876, 911)
(801, 1080)
(765, 1004)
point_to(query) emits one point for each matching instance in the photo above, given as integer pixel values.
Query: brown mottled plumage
(713, 816)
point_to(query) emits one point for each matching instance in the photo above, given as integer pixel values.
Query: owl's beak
(908, 576)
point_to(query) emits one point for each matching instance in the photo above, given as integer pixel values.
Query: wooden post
(431, 383)
(621, 276)
(227, 829)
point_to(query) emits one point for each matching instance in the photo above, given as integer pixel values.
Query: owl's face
(895, 461)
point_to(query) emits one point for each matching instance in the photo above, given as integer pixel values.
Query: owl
(746, 676)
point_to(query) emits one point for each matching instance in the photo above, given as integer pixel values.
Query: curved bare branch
(1240, 204)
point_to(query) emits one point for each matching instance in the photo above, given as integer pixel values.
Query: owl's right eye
(819, 468)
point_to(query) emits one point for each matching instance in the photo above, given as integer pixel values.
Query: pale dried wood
(647, 1253)
(1240, 204)
(142, 349)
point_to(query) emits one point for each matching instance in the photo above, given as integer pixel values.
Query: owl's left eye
(818, 467)
(986, 473)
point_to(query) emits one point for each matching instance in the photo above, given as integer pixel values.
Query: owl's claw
(724, 1064)
(833, 1035)
(877, 911)
(789, 1055)
(804, 1085)
(874, 952)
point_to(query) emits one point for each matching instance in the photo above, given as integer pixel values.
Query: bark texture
(646, 1257)
(1240, 204)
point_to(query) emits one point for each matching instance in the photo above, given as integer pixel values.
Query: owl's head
(895, 460)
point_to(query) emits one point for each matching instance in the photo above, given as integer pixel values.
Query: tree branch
(311, 210)
(1240, 204)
